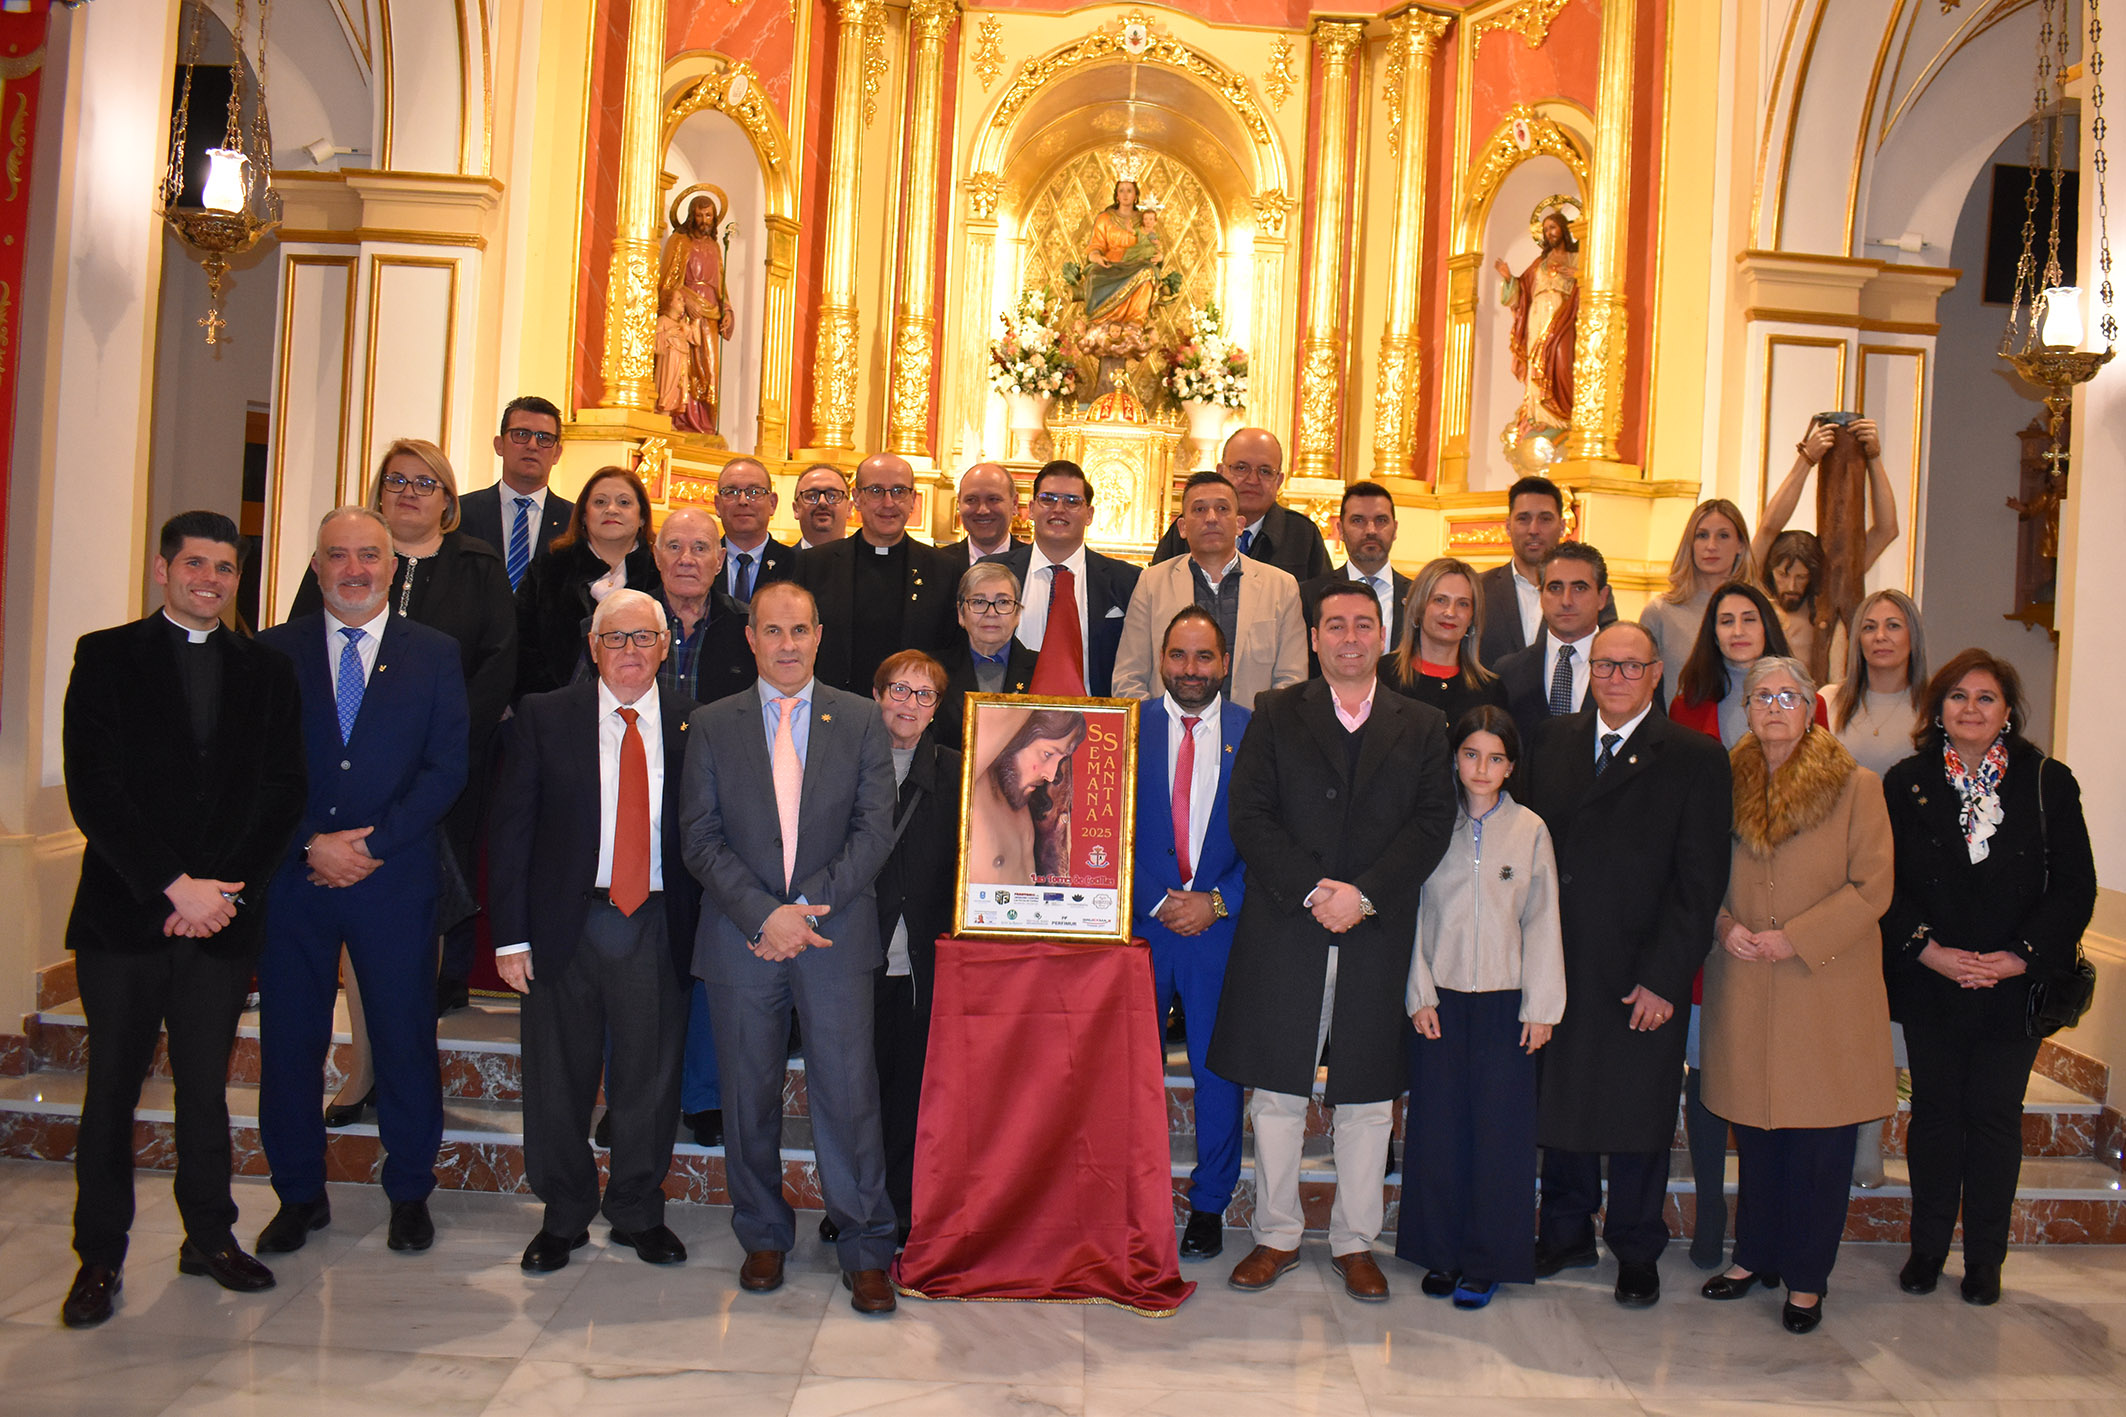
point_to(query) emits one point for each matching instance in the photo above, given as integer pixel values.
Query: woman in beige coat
(1796, 1022)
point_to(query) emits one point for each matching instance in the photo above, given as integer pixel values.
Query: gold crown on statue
(1129, 161)
(1563, 204)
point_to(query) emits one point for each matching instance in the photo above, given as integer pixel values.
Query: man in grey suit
(786, 818)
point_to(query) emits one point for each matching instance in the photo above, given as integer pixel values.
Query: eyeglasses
(998, 605)
(877, 493)
(527, 436)
(1070, 500)
(901, 693)
(743, 494)
(621, 639)
(822, 496)
(422, 486)
(1631, 669)
(1779, 698)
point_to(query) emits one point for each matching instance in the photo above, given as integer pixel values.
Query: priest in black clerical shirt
(879, 592)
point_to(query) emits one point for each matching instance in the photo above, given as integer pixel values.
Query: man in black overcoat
(1341, 803)
(1639, 811)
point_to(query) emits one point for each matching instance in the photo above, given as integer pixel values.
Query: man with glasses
(745, 499)
(520, 516)
(1550, 676)
(987, 658)
(1082, 594)
(1253, 461)
(989, 504)
(879, 591)
(1639, 810)
(822, 506)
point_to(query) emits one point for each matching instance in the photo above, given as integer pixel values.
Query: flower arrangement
(1206, 367)
(1029, 356)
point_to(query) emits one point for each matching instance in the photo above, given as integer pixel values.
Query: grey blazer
(732, 840)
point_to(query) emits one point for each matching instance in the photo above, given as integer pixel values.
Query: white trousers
(1361, 1131)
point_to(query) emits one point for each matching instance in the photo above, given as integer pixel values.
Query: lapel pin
(1633, 759)
(826, 718)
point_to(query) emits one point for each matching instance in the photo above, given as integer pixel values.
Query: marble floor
(353, 1328)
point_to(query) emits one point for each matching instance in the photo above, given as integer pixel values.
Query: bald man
(1253, 461)
(880, 591)
(989, 504)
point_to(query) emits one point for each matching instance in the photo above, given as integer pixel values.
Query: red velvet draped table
(1042, 1165)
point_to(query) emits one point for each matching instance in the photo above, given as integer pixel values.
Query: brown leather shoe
(1263, 1267)
(1362, 1277)
(869, 1292)
(761, 1272)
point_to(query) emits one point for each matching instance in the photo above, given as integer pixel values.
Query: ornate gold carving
(1283, 77)
(18, 142)
(1320, 389)
(984, 191)
(1503, 152)
(1530, 19)
(834, 378)
(21, 66)
(1598, 375)
(1159, 49)
(908, 408)
(633, 306)
(653, 464)
(989, 50)
(1338, 41)
(1412, 36)
(874, 22)
(1327, 277)
(749, 110)
(1271, 209)
(628, 368)
(1395, 404)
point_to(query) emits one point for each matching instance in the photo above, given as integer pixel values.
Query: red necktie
(1060, 671)
(631, 823)
(1184, 779)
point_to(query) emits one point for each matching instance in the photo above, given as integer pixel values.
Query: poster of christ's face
(1046, 812)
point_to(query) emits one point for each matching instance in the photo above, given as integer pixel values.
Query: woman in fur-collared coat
(1796, 1023)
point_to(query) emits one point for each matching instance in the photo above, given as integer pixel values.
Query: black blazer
(724, 664)
(480, 516)
(1299, 811)
(153, 807)
(777, 563)
(916, 881)
(1643, 856)
(1527, 681)
(947, 727)
(2033, 894)
(554, 610)
(959, 548)
(1502, 616)
(1310, 607)
(1287, 539)
(1109, 584)
(929, 614)
(543, 843)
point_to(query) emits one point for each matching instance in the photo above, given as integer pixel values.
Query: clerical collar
(197, 637)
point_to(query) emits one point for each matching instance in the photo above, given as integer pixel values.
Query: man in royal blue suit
(1188, 888)
(384, 734)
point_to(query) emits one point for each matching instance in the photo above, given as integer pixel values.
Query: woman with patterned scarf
(1995, 883)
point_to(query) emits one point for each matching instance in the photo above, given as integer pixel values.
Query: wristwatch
(1218, 910)
(1365, 907)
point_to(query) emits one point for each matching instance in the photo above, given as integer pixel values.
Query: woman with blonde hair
(1443, 623)
(1715, 549)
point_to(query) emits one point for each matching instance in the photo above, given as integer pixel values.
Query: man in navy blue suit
(384, 734)
(1188, 888)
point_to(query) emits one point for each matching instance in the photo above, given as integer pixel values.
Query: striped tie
(519, 559)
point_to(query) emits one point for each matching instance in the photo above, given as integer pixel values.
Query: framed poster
(1048, 804)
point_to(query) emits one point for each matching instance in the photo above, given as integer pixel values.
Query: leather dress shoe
(1263, 1267)
(1439, 1283)
(1800, 1320)
(548, 1252)
(411, 1228)
(1474, 1293)
(828, 1230)
(707, 1127)
(1982, 1284)
(88, 1303)
(346, 1114)
(1362, 1277)
(1723, 1286)
(1204, 1236)
(1920, 1273)
(761, 1272)
(228, 1266)
(656, 1245)
(869, 1293)
(1549, 1261)
(291, 1226)
(1638, 1284)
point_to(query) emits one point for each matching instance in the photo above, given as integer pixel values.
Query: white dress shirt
(1203, 779)
(534, 515)
(1033, 618)
(731, 552)
(366, 647)
(1631, 726)
(1580, 648)
(1382, 585)
(1529, 596)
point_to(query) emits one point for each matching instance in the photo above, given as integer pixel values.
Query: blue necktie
(1609, 752)
(1561, 682)
(519, 559)
(1247, 539)
(349, 692)
(744, 578)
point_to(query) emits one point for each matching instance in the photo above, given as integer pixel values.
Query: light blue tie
(349, 691)
(519, 559)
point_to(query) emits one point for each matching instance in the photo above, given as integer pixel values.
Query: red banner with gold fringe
(21, 72)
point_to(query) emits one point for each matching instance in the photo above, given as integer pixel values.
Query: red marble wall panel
(757, 31)
(1508, 71)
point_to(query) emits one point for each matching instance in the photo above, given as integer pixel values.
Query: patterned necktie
(630, 881)
(519, 560)
(1247, 539)
(1060, 671)
(789, 781)
(744, 593)
(349, 688)
(1561, 682)
(1609, 751)
(1184, 780)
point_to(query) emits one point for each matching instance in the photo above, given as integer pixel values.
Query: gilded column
(1599, 348)
(978, 257)
(914, 326)
(834, 350)
(1414, 39)
(629, 368)
(1321, 347)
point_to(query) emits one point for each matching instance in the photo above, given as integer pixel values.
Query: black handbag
(2059, 1001)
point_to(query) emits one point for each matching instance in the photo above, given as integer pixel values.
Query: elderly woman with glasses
(1796, 1037)
(987, 658)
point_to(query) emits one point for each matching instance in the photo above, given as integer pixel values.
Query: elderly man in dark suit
(184, 770)
(594, 914)
(384, 734)
(1342, 802)
(787, 818)
(1253, 461)
(1065, 584)
(1639, 810)
(1366, 522)
(879, 591)
(529, 446)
